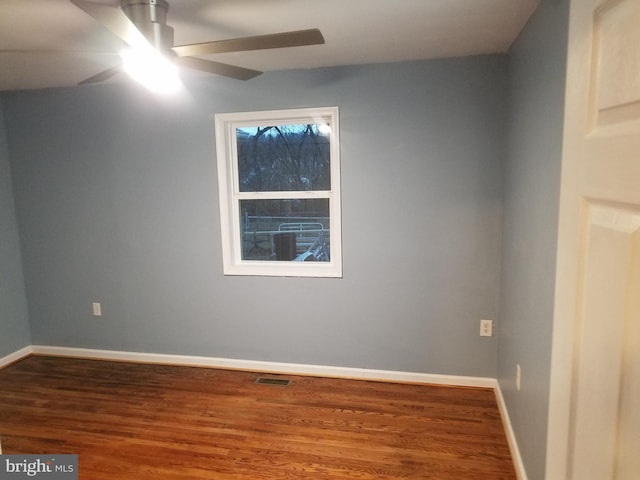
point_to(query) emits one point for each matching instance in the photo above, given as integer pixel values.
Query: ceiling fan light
(153, 70)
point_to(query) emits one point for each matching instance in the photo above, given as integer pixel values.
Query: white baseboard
(521, 473)
(15, 356)
(267, 367)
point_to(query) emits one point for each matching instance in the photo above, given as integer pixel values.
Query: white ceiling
(66, 45)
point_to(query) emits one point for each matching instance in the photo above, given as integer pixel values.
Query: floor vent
(282, 382)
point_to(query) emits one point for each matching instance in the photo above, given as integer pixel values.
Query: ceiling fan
(141, 24)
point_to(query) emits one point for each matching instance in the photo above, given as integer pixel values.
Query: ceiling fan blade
(102, 76)
(115, 20)
(217, 68)
(260, 42)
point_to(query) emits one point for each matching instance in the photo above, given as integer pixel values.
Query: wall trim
(518, 464)
(266, 367)
(15, 356)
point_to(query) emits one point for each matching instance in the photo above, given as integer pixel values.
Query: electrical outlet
(518, 376)
(486, 328)
(97, 309)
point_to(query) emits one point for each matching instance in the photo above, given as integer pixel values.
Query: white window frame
(230, 196)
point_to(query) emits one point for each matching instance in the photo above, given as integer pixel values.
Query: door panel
(605, 367)
(616, 62)
(628, 461)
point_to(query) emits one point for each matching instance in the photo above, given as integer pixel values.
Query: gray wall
(117, 203)
(14, 321)
(532, 181)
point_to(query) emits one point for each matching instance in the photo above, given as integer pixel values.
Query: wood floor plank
(146, 422)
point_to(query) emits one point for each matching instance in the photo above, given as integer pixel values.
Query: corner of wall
(14, 321)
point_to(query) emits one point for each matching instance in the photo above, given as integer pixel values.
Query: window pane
(285, 230)
(279, 184)
(284, 158)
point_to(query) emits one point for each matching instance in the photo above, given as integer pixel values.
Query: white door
(594, 424)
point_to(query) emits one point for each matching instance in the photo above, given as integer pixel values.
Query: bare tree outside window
(283, 158)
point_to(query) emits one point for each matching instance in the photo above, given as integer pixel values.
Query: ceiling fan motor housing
(150, 17)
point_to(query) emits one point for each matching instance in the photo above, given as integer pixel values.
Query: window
(279, 179)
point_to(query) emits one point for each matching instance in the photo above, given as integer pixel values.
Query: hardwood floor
(143, 422)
